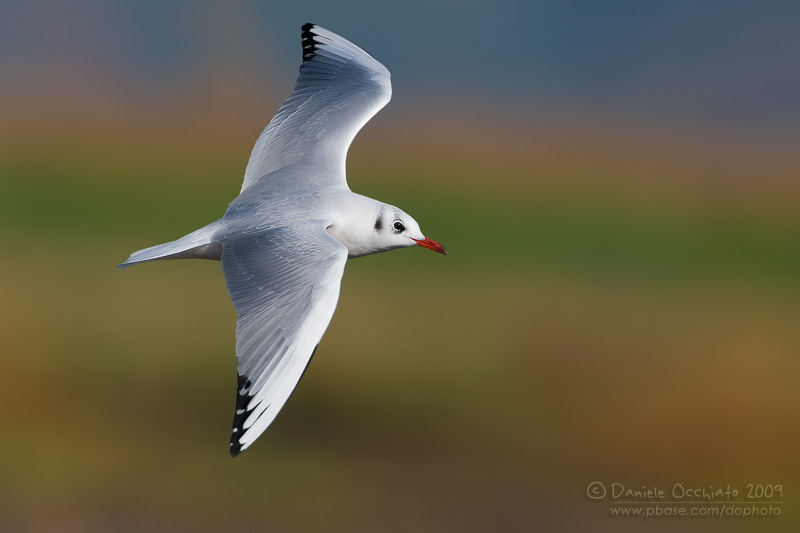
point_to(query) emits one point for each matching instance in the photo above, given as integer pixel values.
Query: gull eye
(398, 226)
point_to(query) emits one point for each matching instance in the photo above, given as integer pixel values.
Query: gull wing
(284, 283)
(340, 87)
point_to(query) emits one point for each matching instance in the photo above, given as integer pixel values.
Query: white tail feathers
(196, 245)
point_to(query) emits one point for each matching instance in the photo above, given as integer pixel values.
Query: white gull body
(284, 241)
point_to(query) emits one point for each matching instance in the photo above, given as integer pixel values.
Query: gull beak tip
(433, 245)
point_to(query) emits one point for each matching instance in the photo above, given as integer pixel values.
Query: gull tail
(196, 245)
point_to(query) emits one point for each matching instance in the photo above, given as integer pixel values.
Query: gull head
(396, 229)
(380, 228)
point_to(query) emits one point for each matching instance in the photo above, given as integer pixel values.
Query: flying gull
(284, 240)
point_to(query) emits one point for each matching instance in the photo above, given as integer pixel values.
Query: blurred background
(617, 185)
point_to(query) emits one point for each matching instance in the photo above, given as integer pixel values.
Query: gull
(283, 242)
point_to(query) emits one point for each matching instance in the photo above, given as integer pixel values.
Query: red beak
(433, 245)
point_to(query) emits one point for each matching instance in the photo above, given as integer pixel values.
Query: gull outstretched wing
(284, 283)
(340, 87)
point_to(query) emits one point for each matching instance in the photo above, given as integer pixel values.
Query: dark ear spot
(379, 223)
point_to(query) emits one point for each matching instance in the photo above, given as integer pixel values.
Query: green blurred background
(618, 191)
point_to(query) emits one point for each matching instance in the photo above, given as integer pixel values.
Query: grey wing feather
(340, 87)
(284, 283)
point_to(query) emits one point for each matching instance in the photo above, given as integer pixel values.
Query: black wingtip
(309, 44)
(243, 398)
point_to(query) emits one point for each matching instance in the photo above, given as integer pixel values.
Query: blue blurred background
(616, 183)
